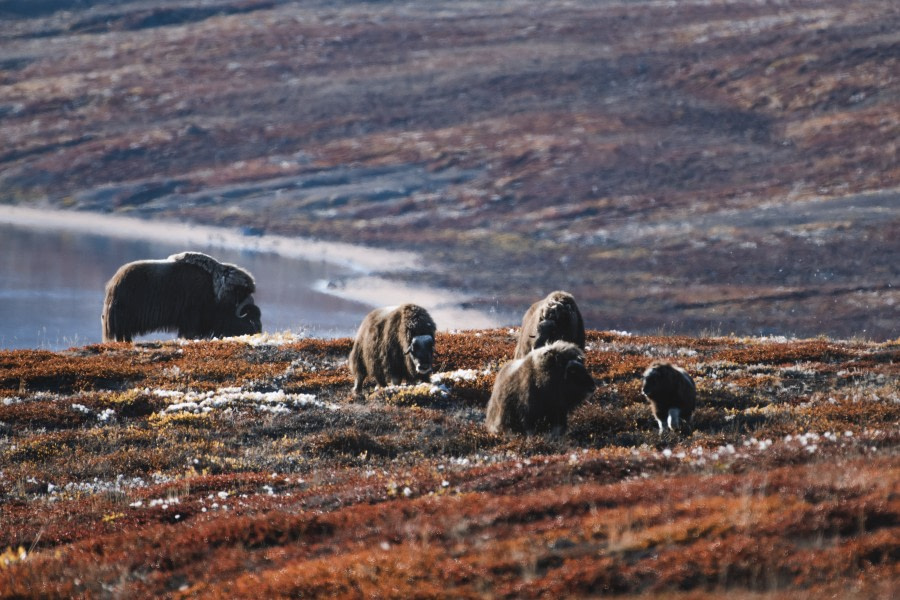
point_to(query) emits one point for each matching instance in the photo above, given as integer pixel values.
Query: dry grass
(245, 468)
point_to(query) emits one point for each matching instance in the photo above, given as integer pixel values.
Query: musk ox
(556, 317)
(672, 394)
(537, 392)
(189, 293)
(393, 344)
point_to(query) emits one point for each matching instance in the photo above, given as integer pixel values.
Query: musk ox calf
(556, 317)
(672, 394)
(537, 392)
(189, 293)
(393, 344)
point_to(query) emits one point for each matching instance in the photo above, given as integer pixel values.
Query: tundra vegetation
(240, 468)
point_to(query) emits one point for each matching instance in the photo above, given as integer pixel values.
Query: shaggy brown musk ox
(537, 392)
(672, 394)
(189, 293)
(556, 317)
(393, 344)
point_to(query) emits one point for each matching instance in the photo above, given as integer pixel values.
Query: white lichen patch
(458, 375)
(231, 398)
(266, 338)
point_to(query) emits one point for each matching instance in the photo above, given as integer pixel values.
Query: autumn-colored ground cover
(244, 468)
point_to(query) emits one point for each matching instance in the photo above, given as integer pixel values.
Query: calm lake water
(52, 285)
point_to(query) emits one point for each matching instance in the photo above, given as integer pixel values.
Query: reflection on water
(52, 283)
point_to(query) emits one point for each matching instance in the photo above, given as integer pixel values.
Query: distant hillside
(242, 468)
(680, 167)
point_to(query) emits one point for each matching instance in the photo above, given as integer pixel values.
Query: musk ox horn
(239, 310)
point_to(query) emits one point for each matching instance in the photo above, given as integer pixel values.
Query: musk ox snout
(578, 378)
(421, 351)
(547, 333)
(671, 393)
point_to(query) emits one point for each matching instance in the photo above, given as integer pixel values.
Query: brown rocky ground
(683, 167)
(243, 468)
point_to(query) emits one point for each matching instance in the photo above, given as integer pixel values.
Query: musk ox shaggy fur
(672, 394)
(556, 317)
(393, 344)
(537, 392)
(189, 293)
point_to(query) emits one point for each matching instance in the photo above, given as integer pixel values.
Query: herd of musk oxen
(196, 296)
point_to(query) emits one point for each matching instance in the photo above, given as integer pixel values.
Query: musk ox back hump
(227, 279)
(553, 318)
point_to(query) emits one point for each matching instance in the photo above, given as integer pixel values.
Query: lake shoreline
(363, 282)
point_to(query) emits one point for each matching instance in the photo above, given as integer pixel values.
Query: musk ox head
(655, 382)
(548, 331)
(421, 352)
(244, 319)
(566, 361)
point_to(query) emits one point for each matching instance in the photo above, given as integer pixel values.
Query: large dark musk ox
(556, 317)
(672, 395)
(189, 293)
(536, 393)
(393, 344)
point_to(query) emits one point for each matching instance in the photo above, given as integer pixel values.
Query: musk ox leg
(380, 379)
(662, 426)
(557, 430)
(674, 418)
(357, 369)
(358, 383)
(359, 376)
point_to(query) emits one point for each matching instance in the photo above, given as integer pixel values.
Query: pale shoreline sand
(365, 287)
